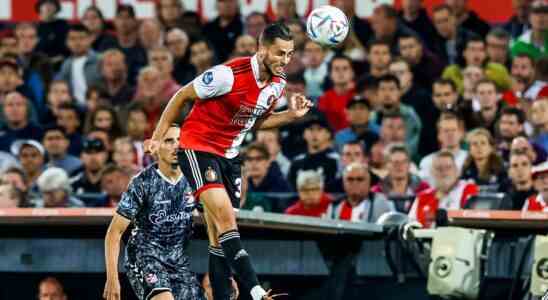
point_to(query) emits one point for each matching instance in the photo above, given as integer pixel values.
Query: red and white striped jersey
(231, 99)
(535, 203)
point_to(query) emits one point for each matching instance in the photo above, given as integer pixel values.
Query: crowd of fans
(413, 112)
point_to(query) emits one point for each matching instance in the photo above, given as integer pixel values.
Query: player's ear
(261, 51)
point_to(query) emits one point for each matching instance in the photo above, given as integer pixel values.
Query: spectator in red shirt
(538, 202)
(448, 192)
(333, 102)
(313, 202)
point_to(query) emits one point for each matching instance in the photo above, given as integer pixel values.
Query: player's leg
(219, 270)
(166, 295)
(218, 206)
(202, 172)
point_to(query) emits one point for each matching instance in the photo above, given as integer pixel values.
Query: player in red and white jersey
(539, 202)
(449, 192)
(229, 101)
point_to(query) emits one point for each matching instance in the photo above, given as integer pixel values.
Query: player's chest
(253, 101)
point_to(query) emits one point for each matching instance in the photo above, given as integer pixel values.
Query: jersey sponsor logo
(210, 174)
(207, 78)
(246, 113)
(162, 217)
(151, 278)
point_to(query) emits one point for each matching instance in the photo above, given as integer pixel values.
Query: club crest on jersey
(207, 78)
(210, 174)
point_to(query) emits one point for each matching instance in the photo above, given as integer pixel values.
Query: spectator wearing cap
(223, 30)
(320, 155)
(448, 191)
(81, 69)
(95, 22)
(10, 196)
(31, 155)
(419, 99)
(313, 202)
(400, 184)
(425, 65)
(534, 41)
(94, 158)
(54, 185)
(449, 41)
(126, 26)
(539, 201)
(389, 93)
(520, 173)
(114, 182)
(359, 203)
(359, 128)
(333, 101)
(114, 71)
(266, 186)
(52, 32)
(17, 124)
(56, 144)
(450, 134)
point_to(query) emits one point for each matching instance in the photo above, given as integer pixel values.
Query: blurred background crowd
(413, 112)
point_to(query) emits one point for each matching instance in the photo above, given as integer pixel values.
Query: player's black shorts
(205, 170)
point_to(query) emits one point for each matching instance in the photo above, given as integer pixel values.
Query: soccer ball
(327, 25)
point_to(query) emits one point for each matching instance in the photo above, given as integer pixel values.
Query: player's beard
(269, 66)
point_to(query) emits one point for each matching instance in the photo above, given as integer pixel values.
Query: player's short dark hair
(389, 78)
(79, 27)
(514, 111)
(275, 31)
(445, 81)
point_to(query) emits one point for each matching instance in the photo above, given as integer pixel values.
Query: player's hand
(112, 290)
(235, 291)
(299, 105)
(151, 146)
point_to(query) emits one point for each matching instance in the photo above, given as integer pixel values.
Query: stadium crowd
(413, 112)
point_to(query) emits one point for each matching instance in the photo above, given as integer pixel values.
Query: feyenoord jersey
(231, 99)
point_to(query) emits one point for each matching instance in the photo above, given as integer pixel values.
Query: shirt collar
(255, 69)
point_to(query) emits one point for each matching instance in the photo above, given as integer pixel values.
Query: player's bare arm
(297, 108)
(117, 227)
(170, 114)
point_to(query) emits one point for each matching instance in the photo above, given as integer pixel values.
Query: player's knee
(163, 296)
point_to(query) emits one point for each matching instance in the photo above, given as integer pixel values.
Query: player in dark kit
(160, 204)
(229, 101)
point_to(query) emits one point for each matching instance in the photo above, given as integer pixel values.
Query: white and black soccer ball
(327, 25)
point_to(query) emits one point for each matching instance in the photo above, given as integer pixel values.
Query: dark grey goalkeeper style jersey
(161, 212)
